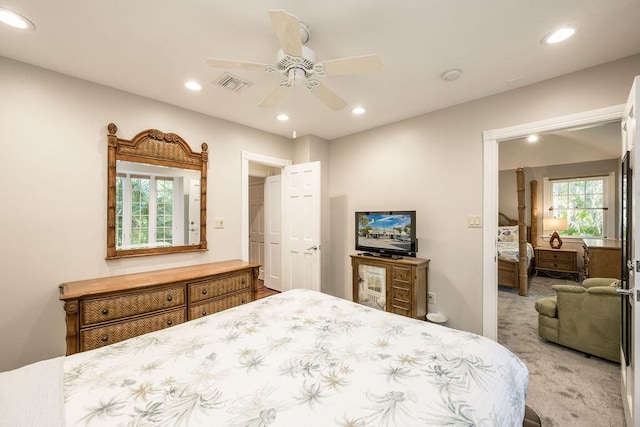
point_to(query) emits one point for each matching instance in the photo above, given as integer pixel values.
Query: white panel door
(631, 373)
(301, 226)
(256, 226)
(273, 232)
(194, 212)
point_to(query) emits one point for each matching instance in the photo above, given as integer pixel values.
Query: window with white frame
(588, 204)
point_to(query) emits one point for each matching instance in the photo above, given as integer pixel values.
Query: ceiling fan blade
(355, 65)
(326, 95)
(275, 96)
(287, 29)
(238, 65)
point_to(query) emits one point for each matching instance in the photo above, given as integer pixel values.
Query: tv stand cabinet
(404, 280)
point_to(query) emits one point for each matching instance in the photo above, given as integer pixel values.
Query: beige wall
(53, 150)
(433, 164)
(53, 216)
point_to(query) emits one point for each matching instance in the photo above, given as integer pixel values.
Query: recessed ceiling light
(358, 111)
(282, 117)
(15, 20)
(193, 85)
(558, 35)
(532, 138)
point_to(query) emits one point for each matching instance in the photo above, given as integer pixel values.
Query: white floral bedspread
(511, 251)
(300, 358)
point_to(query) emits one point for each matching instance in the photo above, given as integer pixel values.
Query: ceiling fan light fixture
(193, 85)
(559, 35)
(15, 20)
(282, 117)
(358, 111)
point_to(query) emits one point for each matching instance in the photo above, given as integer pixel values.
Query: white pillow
(508, 234)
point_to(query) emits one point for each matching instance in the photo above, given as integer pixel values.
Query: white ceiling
(585, 144)
(151, 47)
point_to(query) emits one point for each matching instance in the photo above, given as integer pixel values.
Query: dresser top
(71, 290)
(601, 243)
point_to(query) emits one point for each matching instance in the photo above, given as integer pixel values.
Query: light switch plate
(218, 223)
(474, 221)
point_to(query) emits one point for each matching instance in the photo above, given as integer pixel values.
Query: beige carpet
(565, 388)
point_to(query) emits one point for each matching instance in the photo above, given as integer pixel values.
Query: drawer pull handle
(243, 300)
(204, 292)
(244, 281)
(169, 298)
(105, 311)
(169, 322)
(204, 313)
(104, 338)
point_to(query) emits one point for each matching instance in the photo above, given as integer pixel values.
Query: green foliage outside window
(164, 212)
(139, 211)
(581, 202)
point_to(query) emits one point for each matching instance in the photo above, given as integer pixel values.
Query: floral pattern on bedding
(511, 251)
(298, 358)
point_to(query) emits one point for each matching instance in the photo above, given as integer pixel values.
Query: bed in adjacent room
(516, 240)
(296, 358)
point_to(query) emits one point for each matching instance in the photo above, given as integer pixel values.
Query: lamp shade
(555, 224)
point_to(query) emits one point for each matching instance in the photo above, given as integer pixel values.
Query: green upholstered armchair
(585, 318)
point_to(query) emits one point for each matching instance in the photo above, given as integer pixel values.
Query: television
(389, 234)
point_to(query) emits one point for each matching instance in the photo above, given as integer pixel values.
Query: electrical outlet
(218, 223)
(432, 298)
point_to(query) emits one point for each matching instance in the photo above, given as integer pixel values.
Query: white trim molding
(490, 139)
(248, 157)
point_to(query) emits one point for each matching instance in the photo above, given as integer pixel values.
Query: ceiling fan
(299, 64)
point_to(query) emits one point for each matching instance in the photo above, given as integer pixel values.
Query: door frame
(490, 140)
(248, 157)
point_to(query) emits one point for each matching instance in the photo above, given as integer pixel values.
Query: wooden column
(522, 234)
(534, 213)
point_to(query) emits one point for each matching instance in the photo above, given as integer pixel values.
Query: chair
(585, 318)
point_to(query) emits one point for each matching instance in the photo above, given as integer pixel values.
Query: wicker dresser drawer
(216, 286)
(553, 256)
(115, 332)
(93, 311)
(556, 265)
(218, 304)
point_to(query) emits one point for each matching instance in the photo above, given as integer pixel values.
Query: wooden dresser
(404, 280)
(557, 261)
(111, 309)
(602, 258)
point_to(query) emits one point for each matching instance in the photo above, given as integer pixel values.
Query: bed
(296, 358)
(516, 240)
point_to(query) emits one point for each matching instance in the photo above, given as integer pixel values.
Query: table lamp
(555, 224)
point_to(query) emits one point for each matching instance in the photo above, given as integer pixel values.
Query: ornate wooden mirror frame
(153, 147)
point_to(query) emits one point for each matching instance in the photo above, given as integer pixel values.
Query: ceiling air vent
(231, 82)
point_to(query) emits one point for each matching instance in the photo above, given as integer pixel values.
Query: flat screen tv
(389, 234)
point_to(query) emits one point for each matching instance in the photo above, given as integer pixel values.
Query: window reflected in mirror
(156, 206)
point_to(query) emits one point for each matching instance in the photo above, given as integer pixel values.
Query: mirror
(156, 198)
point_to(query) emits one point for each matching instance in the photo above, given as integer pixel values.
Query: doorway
(256, 169)
(491, 138)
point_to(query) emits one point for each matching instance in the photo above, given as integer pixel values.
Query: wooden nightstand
(563, 261)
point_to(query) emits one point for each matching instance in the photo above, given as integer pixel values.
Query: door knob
(628, 292)
(313, 248)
